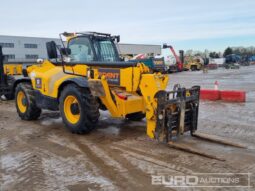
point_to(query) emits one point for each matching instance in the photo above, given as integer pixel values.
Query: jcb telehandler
(89, 76)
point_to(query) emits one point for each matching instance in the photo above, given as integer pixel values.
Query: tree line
(241, 51)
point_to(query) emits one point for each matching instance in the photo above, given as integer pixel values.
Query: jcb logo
(112, 75)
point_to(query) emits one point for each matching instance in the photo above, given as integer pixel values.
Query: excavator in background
(178, 67)
(188, 63)
(90, 76)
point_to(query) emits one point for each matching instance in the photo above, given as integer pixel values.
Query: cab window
(106, 51)
(81, 50)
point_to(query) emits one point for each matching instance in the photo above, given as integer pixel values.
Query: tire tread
(33, 112)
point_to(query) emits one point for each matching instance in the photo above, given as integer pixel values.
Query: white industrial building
(27, 49)
(134, 49)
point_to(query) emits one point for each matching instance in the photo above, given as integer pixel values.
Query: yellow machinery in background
(13, 69)
(193, 63)
(90, 76)
(7, 77)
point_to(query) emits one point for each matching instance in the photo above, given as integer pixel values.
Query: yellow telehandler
(89, 76)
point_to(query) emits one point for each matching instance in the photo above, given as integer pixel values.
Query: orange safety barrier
(211, 95)
(224, 95)
(233, 96)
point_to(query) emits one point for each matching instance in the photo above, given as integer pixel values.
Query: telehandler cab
(89, 75)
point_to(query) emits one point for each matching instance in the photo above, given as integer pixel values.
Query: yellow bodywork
(72, 118)
(189, 66)
(150, 85)
(192, 63)
(134, 93)
(52, 77)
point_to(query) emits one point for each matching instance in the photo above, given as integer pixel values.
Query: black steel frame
(184, 115)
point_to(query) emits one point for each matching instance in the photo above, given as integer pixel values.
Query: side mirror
(65, 51)
(52, 50)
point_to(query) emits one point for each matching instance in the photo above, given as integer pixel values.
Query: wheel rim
(70, 116)
(21, 101)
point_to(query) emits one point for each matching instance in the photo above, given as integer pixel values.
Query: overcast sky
(185, 24)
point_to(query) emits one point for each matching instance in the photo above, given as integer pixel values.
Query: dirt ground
(43, 155)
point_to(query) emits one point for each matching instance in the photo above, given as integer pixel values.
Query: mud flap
(177, 113)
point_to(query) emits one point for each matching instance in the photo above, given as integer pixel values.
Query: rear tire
(135, 116)
(10, 82)
(25, 102)
(79, 109)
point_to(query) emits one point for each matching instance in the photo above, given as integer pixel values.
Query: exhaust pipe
(181, 52)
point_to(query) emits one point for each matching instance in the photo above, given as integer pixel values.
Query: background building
(134, 49)
(24, 49)
(27, 49)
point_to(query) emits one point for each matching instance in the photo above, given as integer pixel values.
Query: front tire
(79, 109)
(25, 102)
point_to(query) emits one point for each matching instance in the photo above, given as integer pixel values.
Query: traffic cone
(216, 85)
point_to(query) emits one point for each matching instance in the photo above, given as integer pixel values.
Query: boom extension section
(169, 114)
